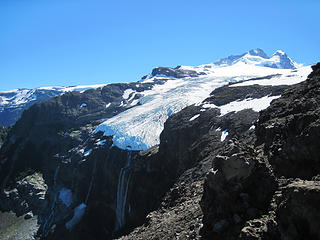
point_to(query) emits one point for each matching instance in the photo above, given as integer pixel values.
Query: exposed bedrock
(290, 130)
(256, 192)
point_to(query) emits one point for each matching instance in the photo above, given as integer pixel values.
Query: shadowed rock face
(3, 134)
(243, 199)
(237, 188)
(173, 72)
(290, 129)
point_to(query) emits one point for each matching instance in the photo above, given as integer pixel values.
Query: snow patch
(83, 105)
(78, 213)
(65, 195)
(108, 105)
(101, 142)
(224, 134)
(256, 104)
(194, 117)
(87, 153)
(287, 78)
(127, 93)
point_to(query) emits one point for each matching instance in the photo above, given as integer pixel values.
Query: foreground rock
(290, 130)
(243, 199)
(238, 188)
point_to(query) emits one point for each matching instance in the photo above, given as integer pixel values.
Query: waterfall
(49, 220)
(92, 179)
(122, 192)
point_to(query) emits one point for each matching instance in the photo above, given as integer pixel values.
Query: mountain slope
(139, 128)
(14, 102)
(100, 172)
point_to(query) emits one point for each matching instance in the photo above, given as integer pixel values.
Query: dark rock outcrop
(290, 130)
(3, 134)
(11, 111)
(238, 188)
(286, 147)
(226, 94)
(173, 72)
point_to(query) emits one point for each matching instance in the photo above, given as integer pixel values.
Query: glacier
(139, 127)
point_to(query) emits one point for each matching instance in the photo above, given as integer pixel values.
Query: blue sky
(73, 42)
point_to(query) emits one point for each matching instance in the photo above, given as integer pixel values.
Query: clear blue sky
(72, 42)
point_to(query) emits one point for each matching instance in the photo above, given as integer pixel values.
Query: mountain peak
(258, 52)
(279, 53)
(281, 60)
(258, 57)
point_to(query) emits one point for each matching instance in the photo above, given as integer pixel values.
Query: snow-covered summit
(259, 58)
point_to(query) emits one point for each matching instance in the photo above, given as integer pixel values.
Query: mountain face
(14, 102)
(97, 164)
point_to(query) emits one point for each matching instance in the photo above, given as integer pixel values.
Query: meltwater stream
(122, 193)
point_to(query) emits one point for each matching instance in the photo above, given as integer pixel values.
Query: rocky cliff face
(217, 172)
(3, 134)
(257, 191)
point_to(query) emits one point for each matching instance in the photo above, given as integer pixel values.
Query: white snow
(280, 52)
(127, 93)
(252, 127)
(65, 196)
(288, 77)
(139, 127)
(208, 105)
(256, 104)
(134, 102)
(101, 142)
(79, 88)
(108, 105)
(87, 153)
(194, 117)
(224, 134)
(17, 97)
(78, 213)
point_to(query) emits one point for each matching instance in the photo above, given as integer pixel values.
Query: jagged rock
(240, 183)
(264, 228)
(3, 134)
(229, 93)
(290, 130)
(27, 194)
(298, 212)
(17, 228)
(173, 72)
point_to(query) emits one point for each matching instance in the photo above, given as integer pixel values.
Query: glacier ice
(139, 127)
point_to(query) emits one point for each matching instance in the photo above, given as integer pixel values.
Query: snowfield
(139, 128)
(16, 97)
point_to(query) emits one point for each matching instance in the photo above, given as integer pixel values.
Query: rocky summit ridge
(233, 154)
